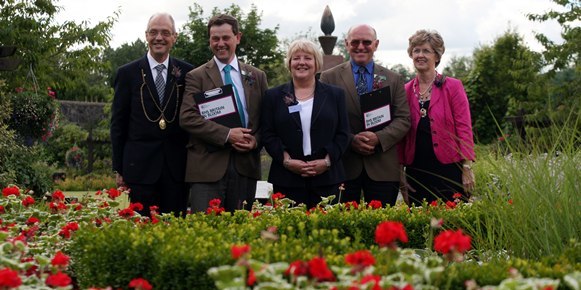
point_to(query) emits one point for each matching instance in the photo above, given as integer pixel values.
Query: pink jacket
(450, 123)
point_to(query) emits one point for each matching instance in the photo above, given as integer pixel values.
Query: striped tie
(160, 82)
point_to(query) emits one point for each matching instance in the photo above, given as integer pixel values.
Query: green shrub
(23, 165)
(89, 182)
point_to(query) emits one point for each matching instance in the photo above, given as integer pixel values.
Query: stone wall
(84, 114)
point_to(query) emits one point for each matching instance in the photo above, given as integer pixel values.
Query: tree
(502, 82)
(459, 67)
(122, 55)
(566, 54)
(407, 73)
(564, 75)
(66, 57)
(258, 47)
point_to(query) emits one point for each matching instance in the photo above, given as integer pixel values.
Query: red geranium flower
(360, 258)
(127, 212)
(12, 190)
(9, 279)
(215, 202)
(452, 241)
(456, 195)
(434, 203)
(58, 280)
(450, 204)
(58, 196)
(238, 251)
(113, 193)
(136, 206)
(251, 277)
(278, 195)
(2, 210)
(375, 204)
(351, 204)
(60, 259)
(375, 279)
(27, 201)
(140, 284)
(297, 268)
(387, 234)
(32, 220)
(319, 270)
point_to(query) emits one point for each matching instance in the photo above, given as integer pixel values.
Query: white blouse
(306, 114)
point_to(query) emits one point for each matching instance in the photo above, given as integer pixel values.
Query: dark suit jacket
(382, 165)
(140, 147)
(282, 131)
(205, 166)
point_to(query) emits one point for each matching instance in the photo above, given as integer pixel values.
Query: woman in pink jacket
(437, 153)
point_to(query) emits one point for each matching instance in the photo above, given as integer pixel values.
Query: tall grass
(531, 194)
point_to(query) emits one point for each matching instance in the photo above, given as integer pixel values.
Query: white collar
(153, 63)
(233, 63)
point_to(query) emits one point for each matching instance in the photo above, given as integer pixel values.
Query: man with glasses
(371, 165)
(147, 142)
(223, 162)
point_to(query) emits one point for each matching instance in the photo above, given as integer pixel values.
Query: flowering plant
(378, 81)
(248, 77)
(289, 100)
(34, 115)
(176, 72)
(439, 80)
(74, 157)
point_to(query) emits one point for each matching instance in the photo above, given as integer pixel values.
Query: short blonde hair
(306, 46)
(432, 37)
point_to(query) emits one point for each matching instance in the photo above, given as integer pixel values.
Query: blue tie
(361, 82)
(228, 81)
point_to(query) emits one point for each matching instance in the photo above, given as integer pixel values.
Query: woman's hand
(404, 186)
(468, 179)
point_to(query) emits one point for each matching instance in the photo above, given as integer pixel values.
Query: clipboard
(376, 109)
(219, 105)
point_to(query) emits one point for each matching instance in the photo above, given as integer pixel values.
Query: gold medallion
(162, 124)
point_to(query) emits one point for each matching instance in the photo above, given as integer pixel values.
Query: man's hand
(237, 135)
(364, 143)
(248, 143)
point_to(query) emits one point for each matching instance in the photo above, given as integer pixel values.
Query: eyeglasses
(356, 42)
(164, 33)
(424, 51)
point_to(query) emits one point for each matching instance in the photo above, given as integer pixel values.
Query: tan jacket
(205, 166)
(383, 165)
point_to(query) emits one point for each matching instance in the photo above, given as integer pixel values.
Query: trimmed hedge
(177, 253)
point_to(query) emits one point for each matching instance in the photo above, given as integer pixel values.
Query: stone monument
(328, 41)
